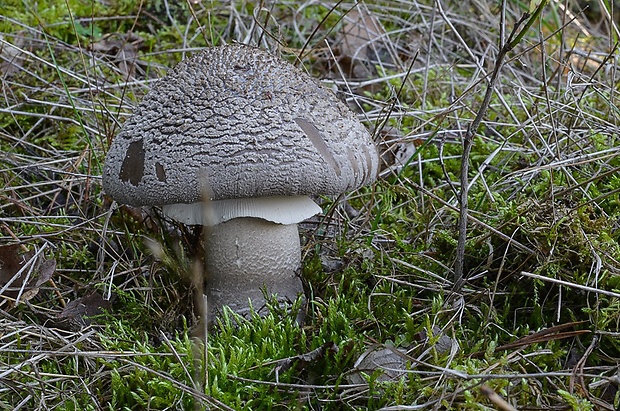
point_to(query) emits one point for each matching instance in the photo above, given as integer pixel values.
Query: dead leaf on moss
(22, 274)
(396, 151)
(78, 312)
(392, 362)
(12, 57)
(45, 270)
(124, 49)
(362, 44)
(307, 358)
(443, 343)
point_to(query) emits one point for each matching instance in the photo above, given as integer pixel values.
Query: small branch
(571, 285)
(513, 39)
(496, 399)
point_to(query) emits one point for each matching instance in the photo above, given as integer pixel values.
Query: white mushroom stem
(245, 255)
(251, 244)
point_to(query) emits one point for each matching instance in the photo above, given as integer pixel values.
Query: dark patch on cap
(315, 137)
(132, 168)
(160, 172)
(355, 166)
(367, 175)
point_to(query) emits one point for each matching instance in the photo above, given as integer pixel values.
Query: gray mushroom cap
(235, 122)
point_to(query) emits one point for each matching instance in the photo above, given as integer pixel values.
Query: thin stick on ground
(468, 140)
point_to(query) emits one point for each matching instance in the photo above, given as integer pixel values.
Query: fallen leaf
(392, 362)
(12, 57)
(361, 44)
(45, 270)
(10, 264)
(444, 344)
(126, 60)
(309, 357)
(124, 49)
(77, 313)
(396, 151)
(20, 276)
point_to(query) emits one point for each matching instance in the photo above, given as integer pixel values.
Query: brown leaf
(361, 44)
(392, 362)
(111, 43)
(12, 273)
(77, 312)
(124, 48)
(107, 45)
(309, 357)
(15, 270)
(12, 57)
(126, 60)
(45, 270)
(396, 151)
(9, 262)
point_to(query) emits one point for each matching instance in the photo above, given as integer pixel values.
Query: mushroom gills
(277, 209)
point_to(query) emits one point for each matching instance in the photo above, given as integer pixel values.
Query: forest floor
(517, 309)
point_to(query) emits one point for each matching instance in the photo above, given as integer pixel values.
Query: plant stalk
(468, 140)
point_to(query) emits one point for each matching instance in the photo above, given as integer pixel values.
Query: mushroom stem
(245, 255)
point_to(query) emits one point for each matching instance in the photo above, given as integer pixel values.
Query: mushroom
(237, 140)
